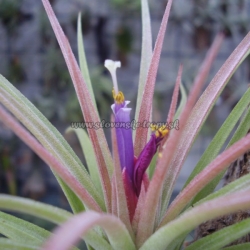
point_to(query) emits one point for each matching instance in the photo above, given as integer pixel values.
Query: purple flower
(132, 169)
(122, 118)
(124, 138)
(147, 154)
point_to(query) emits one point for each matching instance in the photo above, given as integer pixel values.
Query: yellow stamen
(119, 98)
(162, 131)
(153, 127)
(160, 155)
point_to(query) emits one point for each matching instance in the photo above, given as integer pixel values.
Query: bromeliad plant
(117, 204)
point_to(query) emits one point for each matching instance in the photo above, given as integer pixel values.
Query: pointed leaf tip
(175, 96)
(147, 97)
(90, 113)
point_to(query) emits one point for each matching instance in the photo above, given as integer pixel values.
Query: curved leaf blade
(223, 237)
(182, 102)
(195, 216)
(7, 244)
(50, 213)
(174, 100)
(172, 169)
(240, 184)
(146, 53)
(240, 132)
(165, 173)
(204, 105)
(38, 209)
(82, 193)
(44, 131)
(22, 231)
(175, 95)
(47, 135)
(83, 60)
(243, 246)
(66, 235)
(147, 96)
(90, 114)
(219, 139)
(219, 164)
(89, 155)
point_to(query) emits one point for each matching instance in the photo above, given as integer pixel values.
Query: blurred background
(32, 61)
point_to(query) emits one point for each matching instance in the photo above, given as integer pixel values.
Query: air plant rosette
(117, 205)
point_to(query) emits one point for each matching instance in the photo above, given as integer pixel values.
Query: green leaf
(223, 237)
(50, 213)
(167, 171)
(22, 231)
(145, 107)
(83, 60)
(177, 243)
(151, 168)
(186, 222)
(146, 54)
(240, 184)
(243, 246)
(81, 223)
(88, 108)
(89, 155)
(200, 112)
(205, 177)
(41, 210)
(219, 139)
(74, 202)
(182, 102)
(90, 247)
(240, 132)
(50, 160)
(242, 128)
(7, 244)
(50, 138)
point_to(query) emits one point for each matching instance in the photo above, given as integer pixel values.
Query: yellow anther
(160, 155)
(119, 98)
(162, 131)
(153, 127)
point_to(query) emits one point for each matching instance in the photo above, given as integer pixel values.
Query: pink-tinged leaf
(139, 208)
(204, 105)
(147, 223)
(145, 181)
(173, 105)
(147, 97)
(146, 53)
(70, 232)
(55, 165)
(121, 206)
(51, 139)
(174, 168)
(114, 197)
(130, 193)
(90, 114)
(219, 164)
(190, 219)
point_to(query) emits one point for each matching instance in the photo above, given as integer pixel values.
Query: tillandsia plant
(118, 204)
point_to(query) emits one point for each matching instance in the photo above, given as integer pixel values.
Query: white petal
(112, 66)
